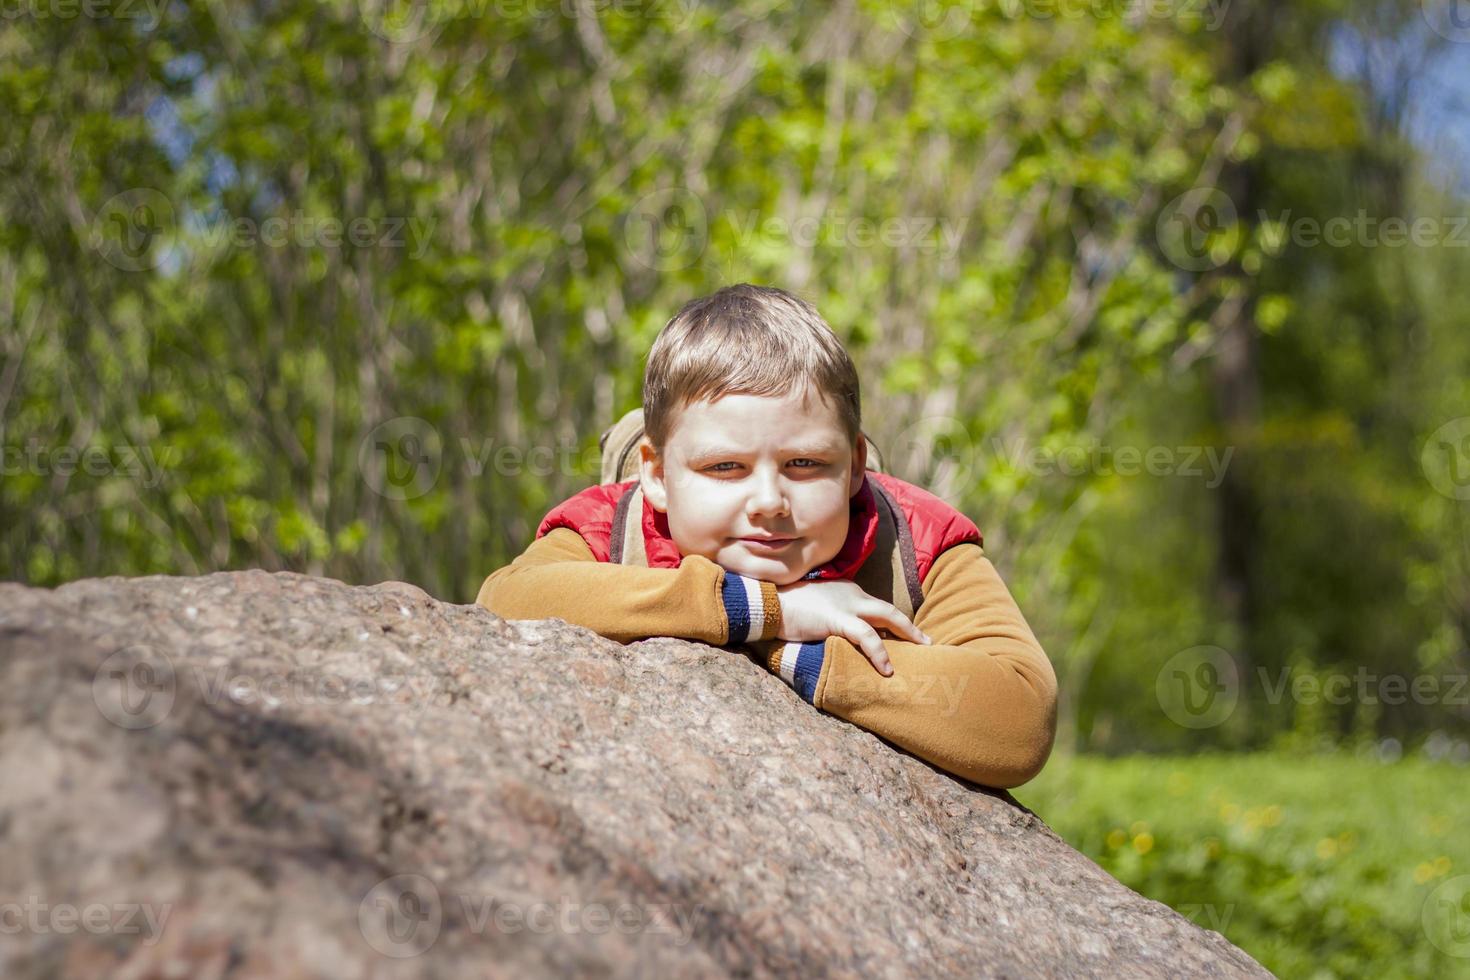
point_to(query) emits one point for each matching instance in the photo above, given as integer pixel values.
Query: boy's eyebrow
(705, 452)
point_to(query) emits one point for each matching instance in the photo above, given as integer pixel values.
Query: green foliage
(507, 172)
(1316, 866)
(284, 253)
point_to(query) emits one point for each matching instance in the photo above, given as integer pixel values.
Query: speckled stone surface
(271, 775)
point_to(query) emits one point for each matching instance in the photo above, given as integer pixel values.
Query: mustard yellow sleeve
(980, 702)
(558, 576)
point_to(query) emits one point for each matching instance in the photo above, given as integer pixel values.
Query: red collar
(862, 534)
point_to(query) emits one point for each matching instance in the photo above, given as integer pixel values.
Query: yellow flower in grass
(1116, 839)
(1427, 870)
(1327, 848)
(1143, 843)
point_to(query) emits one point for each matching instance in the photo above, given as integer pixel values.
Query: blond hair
(747, 340)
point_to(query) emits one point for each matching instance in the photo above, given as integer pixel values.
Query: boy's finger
(910, 630)
(867, 639)
(902, 625)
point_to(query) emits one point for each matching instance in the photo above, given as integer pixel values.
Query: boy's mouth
(767, 544)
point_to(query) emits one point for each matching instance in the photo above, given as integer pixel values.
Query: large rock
(272, 775)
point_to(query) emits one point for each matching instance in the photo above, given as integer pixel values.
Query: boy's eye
(813, 464)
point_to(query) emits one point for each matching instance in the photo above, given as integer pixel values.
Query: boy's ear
(859, 465)
(651, 477)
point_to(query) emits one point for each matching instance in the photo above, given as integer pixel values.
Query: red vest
(933, 525)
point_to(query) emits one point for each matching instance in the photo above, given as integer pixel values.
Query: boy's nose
(766, 497)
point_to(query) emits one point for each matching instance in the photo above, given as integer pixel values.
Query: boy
(757, 519)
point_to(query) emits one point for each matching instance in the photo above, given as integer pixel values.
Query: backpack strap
(891, 572)
(619, 446)
(625, 543)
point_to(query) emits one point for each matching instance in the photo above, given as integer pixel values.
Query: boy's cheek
(680, 477)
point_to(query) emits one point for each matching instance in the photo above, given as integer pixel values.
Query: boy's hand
(838, 607)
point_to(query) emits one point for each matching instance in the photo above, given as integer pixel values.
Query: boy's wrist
(797, 662)
(752, 608)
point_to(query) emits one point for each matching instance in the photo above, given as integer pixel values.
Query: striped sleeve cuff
(752, 608)
(800, 665)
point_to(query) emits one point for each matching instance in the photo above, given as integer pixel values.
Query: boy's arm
(558, 576)
(980, 702)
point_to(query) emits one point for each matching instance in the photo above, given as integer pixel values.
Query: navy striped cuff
(800, 664)
(752, 608)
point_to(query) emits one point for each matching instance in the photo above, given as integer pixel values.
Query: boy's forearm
(558, 576)
(980, 702)
(986, 717)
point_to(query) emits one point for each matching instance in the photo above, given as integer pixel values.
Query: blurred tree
(358, 285)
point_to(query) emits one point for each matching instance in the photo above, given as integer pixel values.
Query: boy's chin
(766, 569)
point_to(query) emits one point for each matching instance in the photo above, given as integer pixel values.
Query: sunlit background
(1170, 296)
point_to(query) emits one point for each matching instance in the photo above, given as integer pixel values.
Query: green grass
(1318, 866)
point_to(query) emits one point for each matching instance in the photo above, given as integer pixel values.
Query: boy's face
(746, 466)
